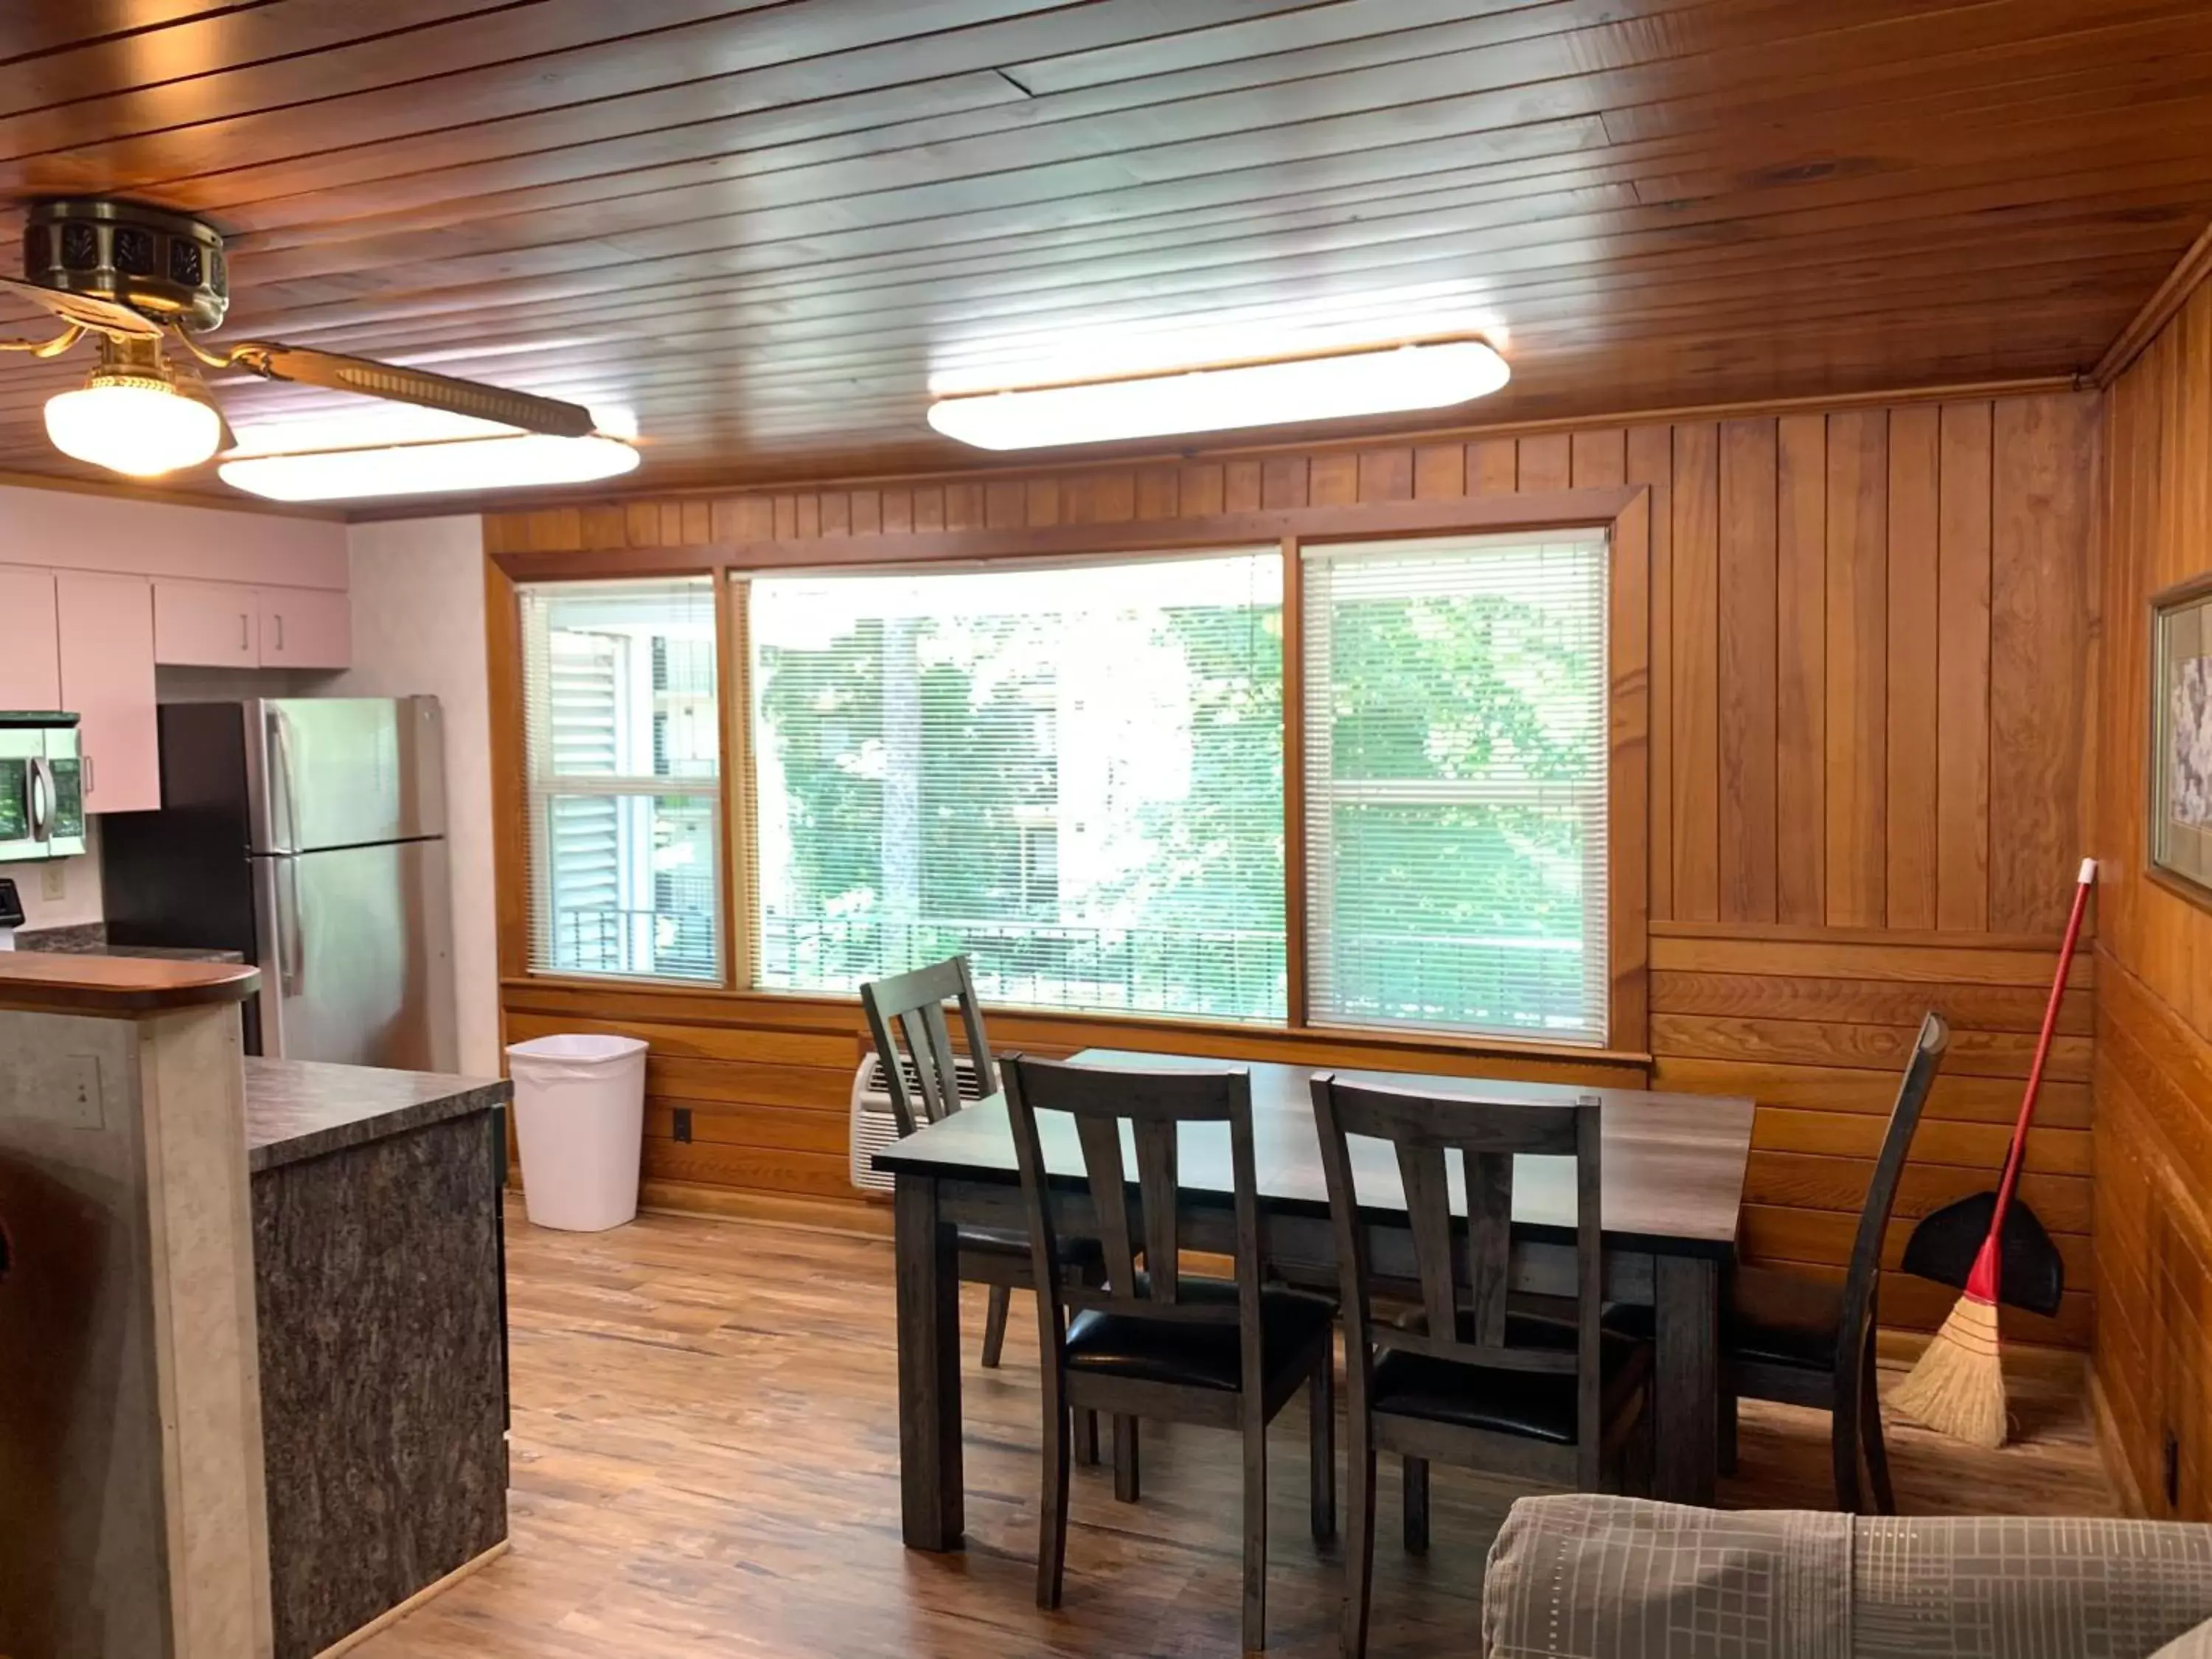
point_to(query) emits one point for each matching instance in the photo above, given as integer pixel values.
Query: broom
(1958, 1388)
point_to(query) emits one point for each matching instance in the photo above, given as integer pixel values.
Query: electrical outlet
(80, 1100)
(683, 1123)
(53, 881)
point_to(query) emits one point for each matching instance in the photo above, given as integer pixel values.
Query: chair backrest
(1864, 1278)
(912, 1005)
(1465, 1282)
(1152, 1106)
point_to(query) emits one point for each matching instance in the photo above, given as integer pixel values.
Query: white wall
(78, 879)
(418, 626)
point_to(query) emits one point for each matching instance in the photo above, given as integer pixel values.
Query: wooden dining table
(1673, 1187)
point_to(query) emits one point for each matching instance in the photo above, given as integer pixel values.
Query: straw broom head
(1958, 1388)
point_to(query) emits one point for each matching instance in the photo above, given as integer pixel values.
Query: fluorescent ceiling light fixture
(136, 424)
(514, 462)
(1375, 380)
(356, 423)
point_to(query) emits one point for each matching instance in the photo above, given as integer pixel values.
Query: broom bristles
(1958, 1388)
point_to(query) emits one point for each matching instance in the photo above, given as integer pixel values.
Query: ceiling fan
(136, 279)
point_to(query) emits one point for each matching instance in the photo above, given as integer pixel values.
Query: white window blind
(1455, 784)
(621, 738)
(1074, 774)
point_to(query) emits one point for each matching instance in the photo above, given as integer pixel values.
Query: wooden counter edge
(117, 987)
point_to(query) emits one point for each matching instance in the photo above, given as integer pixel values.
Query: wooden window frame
(1622, 513)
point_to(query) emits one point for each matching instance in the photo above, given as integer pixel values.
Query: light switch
(53, 881)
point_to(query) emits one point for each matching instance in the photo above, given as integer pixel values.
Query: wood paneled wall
(1871, 695)
(2153, 1071)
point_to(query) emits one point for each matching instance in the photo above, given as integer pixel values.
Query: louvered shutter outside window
(622, 718)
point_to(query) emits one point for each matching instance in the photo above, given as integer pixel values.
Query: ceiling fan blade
(274, 360)
(86, 310)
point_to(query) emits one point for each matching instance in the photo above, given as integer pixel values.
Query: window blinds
(621, 721)
(1455, 784)
(1074, 774)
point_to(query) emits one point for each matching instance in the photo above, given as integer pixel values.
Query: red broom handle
(1986, 1265)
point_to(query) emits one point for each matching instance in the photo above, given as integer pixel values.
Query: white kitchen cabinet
(207, 624)
(306, 628)
(30, 662)
(104, 633)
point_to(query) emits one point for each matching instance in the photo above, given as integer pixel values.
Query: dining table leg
(932, 1487)
(1685, 1376)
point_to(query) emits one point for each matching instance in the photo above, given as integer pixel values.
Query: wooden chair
(1467, 1379)
(1155, 1344)
(1806, 1342)
(912, 1005)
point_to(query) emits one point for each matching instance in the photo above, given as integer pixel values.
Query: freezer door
(343, 771)
(357, 959)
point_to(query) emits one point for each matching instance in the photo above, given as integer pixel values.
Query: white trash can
(580, 1114)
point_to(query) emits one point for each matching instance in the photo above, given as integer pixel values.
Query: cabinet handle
(245, 632)
(280, 630)
(84, 763)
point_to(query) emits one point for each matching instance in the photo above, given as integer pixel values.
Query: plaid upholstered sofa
(1591, 1578)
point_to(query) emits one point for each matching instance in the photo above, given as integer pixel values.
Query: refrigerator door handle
(291, 957)
(281, 798)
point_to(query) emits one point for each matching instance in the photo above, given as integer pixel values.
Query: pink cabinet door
(207, 624)
(306, 628)
(30, 660)
(106, 635)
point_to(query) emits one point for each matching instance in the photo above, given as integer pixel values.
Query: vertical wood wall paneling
(1746, 684)
(1804, 907)
(2154, 1063)
(2041, 614)
(1651, 464)
(1493, 466)
(1628, 628)
(1801, 699)
(1858, 653)
(1962, 719)
(1695, 668)
(1547, 463)
(1909, 792)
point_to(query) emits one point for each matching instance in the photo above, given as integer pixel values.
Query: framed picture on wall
(2181, 737)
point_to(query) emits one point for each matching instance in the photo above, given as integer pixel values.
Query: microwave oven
(41, 787)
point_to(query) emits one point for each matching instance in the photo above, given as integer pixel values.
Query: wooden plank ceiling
(762, 229)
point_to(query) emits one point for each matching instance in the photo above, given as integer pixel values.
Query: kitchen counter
(379, 1261)
(298, 1108)
(90, 939)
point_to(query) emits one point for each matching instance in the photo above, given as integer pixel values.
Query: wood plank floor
(706, 1463)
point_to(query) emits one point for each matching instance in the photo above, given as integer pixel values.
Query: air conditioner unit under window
(874, 1128)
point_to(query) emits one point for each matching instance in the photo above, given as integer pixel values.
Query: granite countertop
(297, 1108)
(90, 939)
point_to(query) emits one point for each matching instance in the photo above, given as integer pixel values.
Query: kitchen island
(378, 1263)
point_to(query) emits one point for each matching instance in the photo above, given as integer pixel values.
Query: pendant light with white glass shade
(133, 416)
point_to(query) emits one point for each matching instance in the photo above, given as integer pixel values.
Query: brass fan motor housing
(168, 265)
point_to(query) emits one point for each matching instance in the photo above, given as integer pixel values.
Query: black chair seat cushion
(1778, 1318)
(1771, 1317)
(1013, 1241)
(1535, 1405)
(1196, 1356)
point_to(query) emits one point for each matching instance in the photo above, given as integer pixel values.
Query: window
(1074, 773)
(1455, 785)
(622, 715)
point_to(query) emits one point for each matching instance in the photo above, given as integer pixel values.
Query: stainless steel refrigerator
(308, 834)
